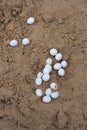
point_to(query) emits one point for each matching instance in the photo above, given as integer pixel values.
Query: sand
(61, 24)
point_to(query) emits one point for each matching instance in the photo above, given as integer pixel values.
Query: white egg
(13, 43)
(55, 95)
(39, 92)
(49, 67)
(40, 74)
(64, 64)
(38, 81)
(49, 61)
(48, 91)
(61, 72)
(53, 86)
(46, 99)
(46, 71)
(30, 20)
(53, 52)
(57, 66)
(25, 41)
(58, 57)
(46, 77)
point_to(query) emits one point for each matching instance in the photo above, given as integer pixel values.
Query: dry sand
(61, 24)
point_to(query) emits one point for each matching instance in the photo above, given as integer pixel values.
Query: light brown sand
(61, 24)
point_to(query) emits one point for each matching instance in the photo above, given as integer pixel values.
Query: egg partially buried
(46, 77)
(38, 81)
(57, 66)
(53, 86)
(25, 41)
(46, 99)
(39, 92)
(61, 72)
(64, 64)
(13, 43)
(48, 91)
(49, 61)
(58, 57)
(55, 95)
(53, 52)
(30, 20)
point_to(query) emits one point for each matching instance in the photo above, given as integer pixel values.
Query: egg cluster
(25, 41)
(49, 94)
(45, 75)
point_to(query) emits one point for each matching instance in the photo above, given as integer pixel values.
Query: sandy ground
(61, 24)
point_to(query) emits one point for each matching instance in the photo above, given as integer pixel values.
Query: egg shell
(64, 64)
(30, 20)
(55, 95)
(48, 91)
(46, 99)
(58, 57)
(49, 61)
(53, 86)
(39, 92)
(13, 43)
(53, 52)
(25, 41)
(46, 70)
(57, 66)
(49, 67)
(46, 77)
(61, 72)
(39, 74)
(38, 81)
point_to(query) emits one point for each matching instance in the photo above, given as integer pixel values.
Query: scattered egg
(38, 81)
(25, 41)
(57, 66)
(53, 52)
(46, 77)
(61, 72)
(49, 61)
(13, 43)
(64, 64)
(30, 20)
(48, 91)
(46, 71)
(40, 74)
(46, 99)
(58, 57)
(39, 92)
(55, 95)
(49, 67)
(53, 86)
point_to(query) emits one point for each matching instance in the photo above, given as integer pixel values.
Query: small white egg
(57, 66)
(39, 74)
(49, 61)
(58, 57)
(53, 86)
(61, 72)
(55, 95)
(30, 20)
(64, 64)
(46, 99)
(49, 67)
(53, 52)
(46, 77)
(38, 81)
(39, 92)
(48, 91)
(25, 41)
(13, 43)
(46, 71)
